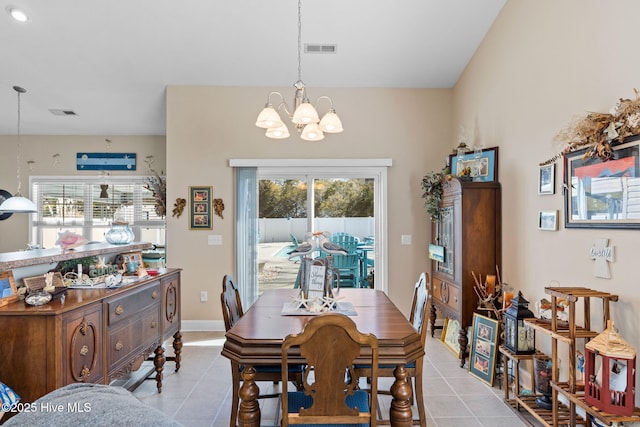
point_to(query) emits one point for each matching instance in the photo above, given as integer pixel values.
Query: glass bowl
(38, 298)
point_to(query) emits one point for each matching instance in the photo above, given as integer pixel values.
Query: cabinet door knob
(84, 350)
(119, 346)
(154, 294)
(154, 324)
(119, 309)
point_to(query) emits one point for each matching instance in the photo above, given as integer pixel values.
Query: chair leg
(418, 394)
(235, 389)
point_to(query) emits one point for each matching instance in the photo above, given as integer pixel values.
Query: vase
(120, 233)
(543, 370)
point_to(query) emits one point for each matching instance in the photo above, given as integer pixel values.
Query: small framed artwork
(483, 162)
(548, 220)
(200, 208)
(547, 179)
(482, 360)
(8, 289)
(436, 252)
(451, 334)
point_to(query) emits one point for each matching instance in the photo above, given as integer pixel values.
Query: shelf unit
(568, 333)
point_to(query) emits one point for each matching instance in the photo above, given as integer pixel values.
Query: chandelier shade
(17, 203)
(304, 115)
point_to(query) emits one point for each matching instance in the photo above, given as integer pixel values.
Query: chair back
(231, 303)
(347, 241)
(418, 317)
(330, 344)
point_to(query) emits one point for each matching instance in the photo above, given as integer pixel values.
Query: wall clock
(4, 195)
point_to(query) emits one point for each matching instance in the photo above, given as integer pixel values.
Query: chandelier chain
(19, 146)
(299, 40)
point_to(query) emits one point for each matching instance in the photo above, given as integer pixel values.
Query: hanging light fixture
(304, 116)
(17, 203)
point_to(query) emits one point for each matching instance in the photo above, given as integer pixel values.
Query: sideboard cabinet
(93, 335)
(470, 233)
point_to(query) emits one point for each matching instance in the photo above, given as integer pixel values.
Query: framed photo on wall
(482, 361)
(548, 220)
(200, 208)
(547, 179)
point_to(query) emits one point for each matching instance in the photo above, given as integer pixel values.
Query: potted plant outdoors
(432, 193)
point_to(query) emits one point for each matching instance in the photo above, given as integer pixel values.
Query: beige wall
(207, 126)
(542, 64)
(40, 149)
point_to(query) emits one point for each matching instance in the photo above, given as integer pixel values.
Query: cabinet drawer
(130, 337)
(446, 293)
(129, 305)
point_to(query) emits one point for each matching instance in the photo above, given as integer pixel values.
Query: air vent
(320, 48)
(63, 112)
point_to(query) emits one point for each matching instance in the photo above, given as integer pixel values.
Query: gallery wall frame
(548, 220)
(600, 194)
(200, 214)
(547, 179)
(482, 360)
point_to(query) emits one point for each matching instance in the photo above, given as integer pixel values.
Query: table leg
(158, 363)
(249, 411)
(400, 413)
(177, 348)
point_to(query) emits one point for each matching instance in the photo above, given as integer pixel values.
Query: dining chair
(232, 312)
(414, 369)
(329, 343)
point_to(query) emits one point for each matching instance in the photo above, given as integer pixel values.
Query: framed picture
(8, 289)
(547, 179)
(450, 335)
(200, 208)
(483, 162)
(548, 220)
(436, 252)
(482, 360)
(600, 194)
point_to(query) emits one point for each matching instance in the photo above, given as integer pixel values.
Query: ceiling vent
(320, 48)
(63, 112)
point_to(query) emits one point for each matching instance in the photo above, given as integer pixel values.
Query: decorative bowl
(38, 298)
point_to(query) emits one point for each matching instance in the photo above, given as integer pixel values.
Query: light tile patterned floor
(199, 394)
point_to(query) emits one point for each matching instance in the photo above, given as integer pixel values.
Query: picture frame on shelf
(8, 289)
(488, 169)
(200, 199)
(548, 220)
(596, 193)
(547, 179)
(484, 346)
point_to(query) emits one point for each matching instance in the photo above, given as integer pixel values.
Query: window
(87, 205)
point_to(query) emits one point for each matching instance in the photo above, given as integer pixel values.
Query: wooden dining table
(256, 339)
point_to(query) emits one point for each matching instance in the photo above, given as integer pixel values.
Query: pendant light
(17, 203)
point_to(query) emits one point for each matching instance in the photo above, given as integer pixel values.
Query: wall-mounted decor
(106, 161)
(486, 161)
(482, 361)
(602, 254)
(200, 208)
(218, 207)
(603, 194)
(8, 290)
(548, 220)
(547, 179)
(178, 206)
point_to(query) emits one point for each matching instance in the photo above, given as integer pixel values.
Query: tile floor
(199, 394)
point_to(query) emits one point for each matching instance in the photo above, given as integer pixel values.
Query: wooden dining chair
(232, 312)
(329, 343)
(414, 369)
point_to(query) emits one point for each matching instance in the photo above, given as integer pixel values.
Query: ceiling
(110, 61)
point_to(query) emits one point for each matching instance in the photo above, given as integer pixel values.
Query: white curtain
(247, 234)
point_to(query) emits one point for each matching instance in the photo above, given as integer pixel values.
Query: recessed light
(17, 14)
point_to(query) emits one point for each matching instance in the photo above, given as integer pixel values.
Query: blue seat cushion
(359, 399)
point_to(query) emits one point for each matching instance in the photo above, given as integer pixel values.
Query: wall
(542, 64)
(207, 126)
(41, 149)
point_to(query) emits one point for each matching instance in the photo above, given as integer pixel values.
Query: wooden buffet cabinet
(470, 232)
(93, 335)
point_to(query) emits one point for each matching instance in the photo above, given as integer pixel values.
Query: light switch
(406, 239)
(214, 239)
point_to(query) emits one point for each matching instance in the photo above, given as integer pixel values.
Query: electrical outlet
(405, 239)
(204, 296)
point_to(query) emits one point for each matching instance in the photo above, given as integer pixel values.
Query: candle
(80, 271)
(491, 284)
(506, 301)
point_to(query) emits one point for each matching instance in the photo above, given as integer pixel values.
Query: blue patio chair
(347, 265)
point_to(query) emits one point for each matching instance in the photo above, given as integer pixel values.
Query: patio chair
(414, 369)
(232, 312)
(348, 265)
(329, 343)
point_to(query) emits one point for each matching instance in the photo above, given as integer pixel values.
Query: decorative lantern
(518, 337)
(610, 373)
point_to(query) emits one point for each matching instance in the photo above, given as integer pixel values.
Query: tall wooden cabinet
(470, 232)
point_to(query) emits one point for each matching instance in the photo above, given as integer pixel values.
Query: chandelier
(304, 116)
(17, 203)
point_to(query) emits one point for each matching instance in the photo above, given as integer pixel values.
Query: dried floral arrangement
(596, 131)
(157, 184)
(432, 193)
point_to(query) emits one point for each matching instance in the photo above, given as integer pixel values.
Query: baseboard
(202, 326)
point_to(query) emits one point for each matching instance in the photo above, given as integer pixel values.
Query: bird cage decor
(518, 337)
(610, 373)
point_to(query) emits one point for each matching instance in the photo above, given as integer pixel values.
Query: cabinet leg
(158, 362)
(177, 348)
(463, 340)
(432, 319)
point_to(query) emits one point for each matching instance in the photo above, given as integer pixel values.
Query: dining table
(256, 339)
